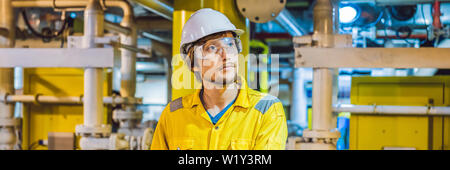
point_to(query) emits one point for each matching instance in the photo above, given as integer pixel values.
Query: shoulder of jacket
(176, 104)
(266, 102)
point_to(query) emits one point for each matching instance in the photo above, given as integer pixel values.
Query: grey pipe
(287, 21)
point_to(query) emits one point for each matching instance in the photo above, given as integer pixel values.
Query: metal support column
(128, 116)
(320, 136)
(93, 126)
(7, 121)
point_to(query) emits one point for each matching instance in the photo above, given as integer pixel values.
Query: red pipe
(437, 15)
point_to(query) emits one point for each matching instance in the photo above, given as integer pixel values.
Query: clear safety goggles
(212, 48)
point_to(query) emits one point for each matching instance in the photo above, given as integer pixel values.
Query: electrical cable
(409, 32)
(58, 33)
(376, 21)
(384, 27)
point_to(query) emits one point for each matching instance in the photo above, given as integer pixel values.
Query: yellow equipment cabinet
(374, 132)
(40, 119)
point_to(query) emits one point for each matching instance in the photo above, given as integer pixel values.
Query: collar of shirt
(241, 100)
(215, 119)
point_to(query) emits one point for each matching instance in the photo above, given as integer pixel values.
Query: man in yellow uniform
(225, 113)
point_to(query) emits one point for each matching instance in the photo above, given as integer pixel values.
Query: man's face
(217, 60)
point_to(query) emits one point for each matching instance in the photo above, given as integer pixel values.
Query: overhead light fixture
(348, 14)
(73, 15)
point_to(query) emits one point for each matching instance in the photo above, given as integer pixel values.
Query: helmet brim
(239, 31)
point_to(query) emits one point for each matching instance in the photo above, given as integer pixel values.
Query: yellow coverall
(256, 121)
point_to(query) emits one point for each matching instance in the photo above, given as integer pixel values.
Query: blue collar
(216, 118)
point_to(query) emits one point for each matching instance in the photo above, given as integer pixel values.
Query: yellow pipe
(264, 74)
(182, 79)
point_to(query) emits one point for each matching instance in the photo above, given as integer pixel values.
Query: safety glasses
(212, 48)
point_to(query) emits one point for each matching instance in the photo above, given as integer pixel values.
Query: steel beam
(54, 57)
(372, 57)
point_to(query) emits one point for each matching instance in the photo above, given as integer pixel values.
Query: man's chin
(224, 80)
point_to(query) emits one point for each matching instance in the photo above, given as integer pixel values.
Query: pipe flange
(120, 114)
(36, 98)
(132, 100)
(326, 136)
(81, 99)
(118, 142)
(9, 122)
(4, 98)
(113, 100)
(96, 131)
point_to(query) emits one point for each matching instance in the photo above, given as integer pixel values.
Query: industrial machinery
(53, 81)
(325, 51)
(78, 82)
(400, 113)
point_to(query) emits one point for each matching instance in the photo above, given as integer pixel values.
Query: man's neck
(216, 98)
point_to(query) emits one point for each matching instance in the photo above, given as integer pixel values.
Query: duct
(160, 7)
(287, 21)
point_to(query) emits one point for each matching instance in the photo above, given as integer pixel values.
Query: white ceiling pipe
(65, 99)
(387, 109)
(48, 3)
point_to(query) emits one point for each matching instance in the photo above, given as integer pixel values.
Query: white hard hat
(205, 22)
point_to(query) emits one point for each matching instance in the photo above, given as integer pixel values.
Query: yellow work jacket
(256, 121)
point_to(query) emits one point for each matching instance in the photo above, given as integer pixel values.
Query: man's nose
(224, 55)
